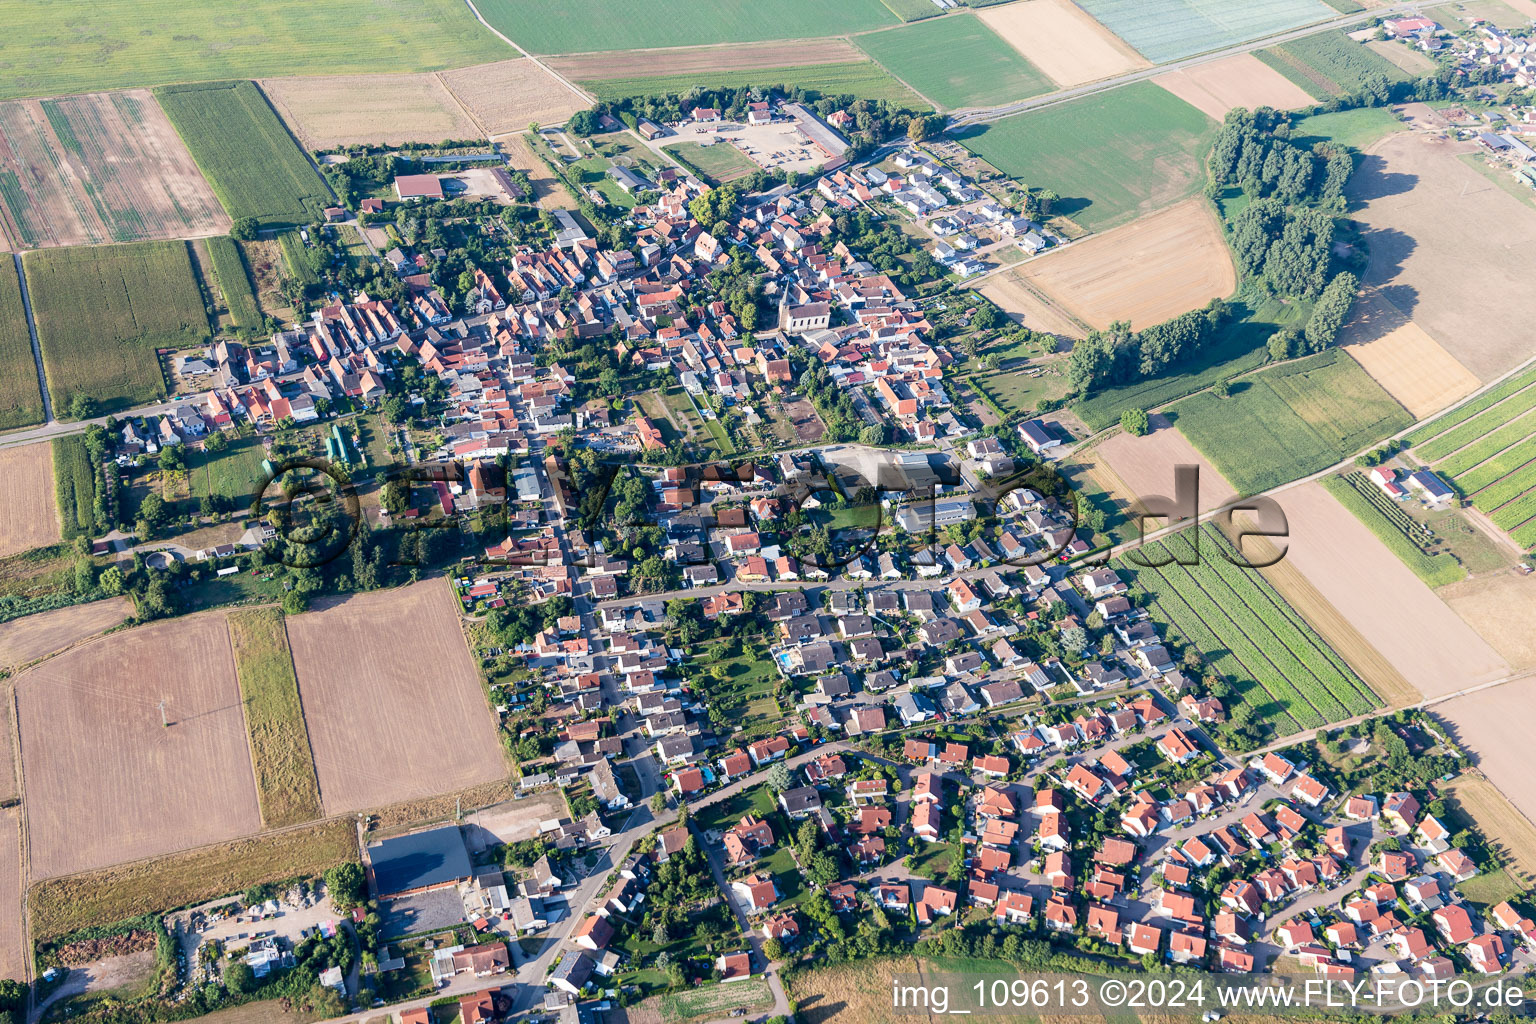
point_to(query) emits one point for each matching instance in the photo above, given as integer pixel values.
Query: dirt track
(1062, 40)
(29, 516)
(1146, 272)
(104, 782)
(392, 699)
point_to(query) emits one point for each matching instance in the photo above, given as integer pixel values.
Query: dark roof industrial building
(419, 861)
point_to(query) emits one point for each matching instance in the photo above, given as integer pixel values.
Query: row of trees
(1120, 355)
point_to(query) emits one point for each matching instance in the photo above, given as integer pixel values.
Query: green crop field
(21, 403)
(101, 313)
(864, 79)
(913, 10)
(1239, 350)
(581, 26)
(254, 165)
(1329, 64)
(1247, 631)
(59, 48)
(1110, 157)
(234, 282)
(956, 62)
(1467, 410)
(1286, 423)
(285, 773)
(74, 485)
(1395, 528)
(1165, 30)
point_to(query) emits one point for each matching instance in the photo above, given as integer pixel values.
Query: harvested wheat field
(1149, 270)
(1241, 80)
(29, 515)
(327, 111)
(1436, 652)
(1502, 609)
(1396, 352)
(32, 636)
(1443, 238)
(509, 94)
(684, 60)
(550, 192)
(1412, 61)
(392, 699)
(104, 781)
(13, 954)
(1509, 832)
(1062, 40)
(1013, 295)
(1495, 726)
(101, 167)
(1146, 464)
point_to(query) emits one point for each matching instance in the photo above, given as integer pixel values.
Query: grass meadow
(583, 26)
(1110, 157)
(101, 313)
(1164, 30)
(1289, 422)
(21, 403)
(255, 167)
(57, 48)
(956, 62)
(285, 774)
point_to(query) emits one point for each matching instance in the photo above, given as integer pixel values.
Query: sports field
(1329, 64)
(716, 164)
(1148, 271)
(1111, 157)
(579, 26)
(101, 313)
(1282, 668)
(21, 403)
(105, 167)
(254, 165)
(427, 727)
(1165, 30)
(1291, 421)
(54, 49)
(956, 62)
(105, 781)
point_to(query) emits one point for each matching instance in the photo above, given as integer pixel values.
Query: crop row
(1496, 468)
(1467, 410)
(1503, 492)
(1389, 509)
(1298, 676)
(1243, 643)
(234, 282)
(1479, 426)
(1510, 434)
(1337, 678)
(1434, 570)
(74, 484)
(1516, 512)
(1181, 616)
(1525, 536)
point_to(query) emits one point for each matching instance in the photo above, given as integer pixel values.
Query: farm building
(411, 187)
(430, 859)
(1037, 437)
(1430, 486)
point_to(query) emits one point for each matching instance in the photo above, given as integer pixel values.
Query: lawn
(1239, 350)
(1353, 128)
(21, 403)
(1329, 64)
(60, 48)
(581, 26)
(1286, 423)
(956, 62)
(1110, 157)
(101, 313)
(1247, 631)
(1164, 30)
(285, 774)
(255, 167)
(863, 79)
(716, 164)
(234, 282)
(1017, 393)
(1490, 888)
(63, 905)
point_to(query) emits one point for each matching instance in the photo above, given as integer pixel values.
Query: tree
(238, 977)
(344, 882)
(245, 228)
(773, 949)
(153, 514)
(1135, 422)
(873, 434)
(1221, 389)
(82, 407)
(216, 441)
(1329, 313)
(779, 778)
(111, 581)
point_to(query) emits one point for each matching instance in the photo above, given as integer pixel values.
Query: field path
(585, 97)
(37, 350)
